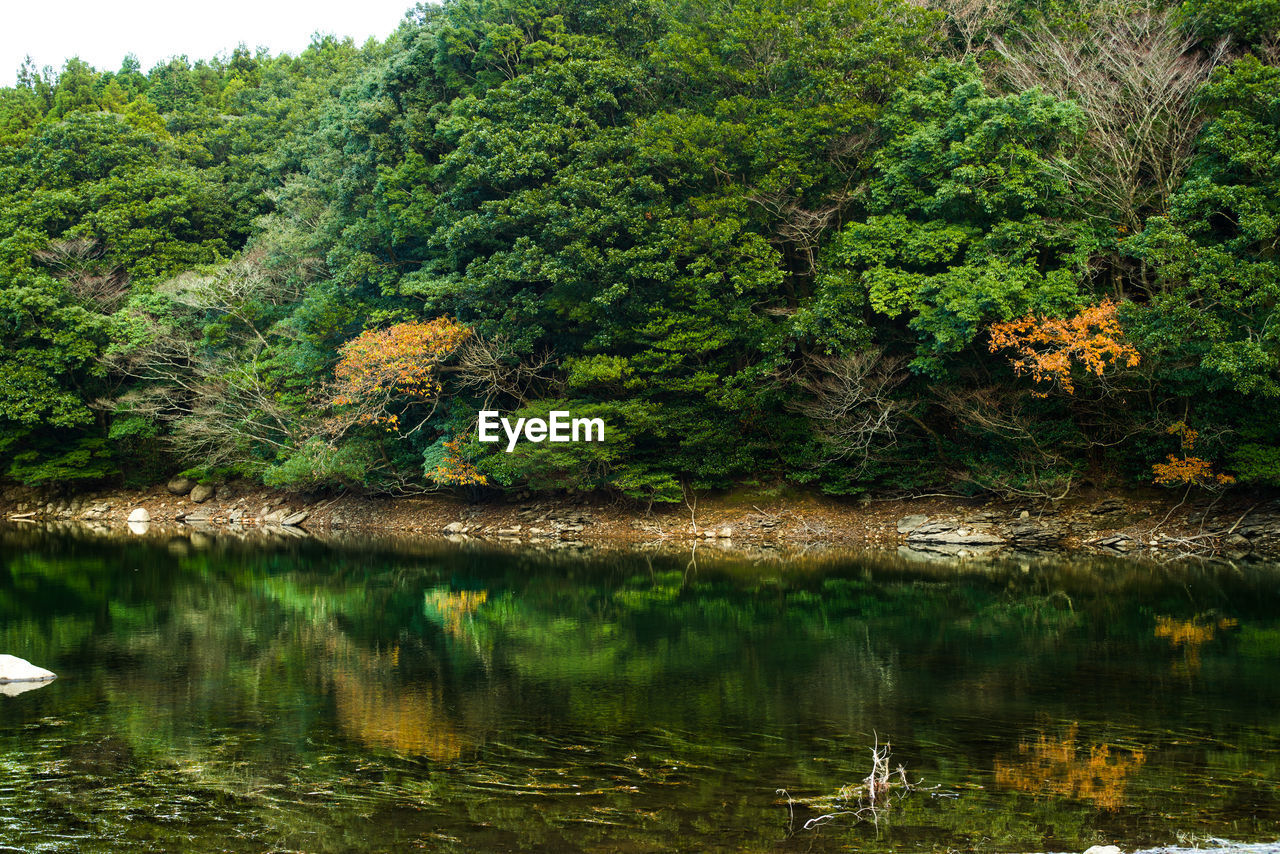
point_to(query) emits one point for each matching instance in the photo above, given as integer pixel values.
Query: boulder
(1102, 849)
(14, 669)
(140, 514)
(275, 517)
(907, 524)
(954, 534)
(455, 528)
(1030, 535)
(724, 533)
(201, 493)
(180, 485)
(295, 519)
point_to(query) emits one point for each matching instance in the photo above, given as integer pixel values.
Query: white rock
(14, 669)
(1102, 849)
(454, 528)
(140, 514)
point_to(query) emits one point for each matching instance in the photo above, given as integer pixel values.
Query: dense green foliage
(763, 241)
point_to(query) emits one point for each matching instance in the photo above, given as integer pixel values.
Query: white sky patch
(102, 33)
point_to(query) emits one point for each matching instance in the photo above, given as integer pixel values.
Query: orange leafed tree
(1188, 469)
(1049, 348)
(403, 360)
(455, 469)
(400, 359)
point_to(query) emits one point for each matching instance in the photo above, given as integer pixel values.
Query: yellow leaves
(1188, 469)
(1048, 348)
(454, 469)
(404, 359)
(400, 359)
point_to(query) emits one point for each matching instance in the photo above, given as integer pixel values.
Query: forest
(1005, 247)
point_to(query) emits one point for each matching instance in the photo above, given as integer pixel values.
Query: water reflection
(1061, 767)
(13, 689)
(389, 696)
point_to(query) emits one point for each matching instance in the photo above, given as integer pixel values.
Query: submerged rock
(14, 669)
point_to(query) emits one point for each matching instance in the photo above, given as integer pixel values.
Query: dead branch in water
(869, 800)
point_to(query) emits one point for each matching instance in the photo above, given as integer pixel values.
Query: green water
(365, 696)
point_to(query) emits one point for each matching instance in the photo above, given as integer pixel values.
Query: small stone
(201, 493)
(1025, 514)
(140, 514)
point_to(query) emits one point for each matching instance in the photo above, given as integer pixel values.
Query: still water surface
(367, 696)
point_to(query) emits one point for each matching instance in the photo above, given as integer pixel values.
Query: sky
(101, 32)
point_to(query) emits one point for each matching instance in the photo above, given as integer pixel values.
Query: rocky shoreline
(1232, 526)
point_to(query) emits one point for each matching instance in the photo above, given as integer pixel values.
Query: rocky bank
(1231, 525)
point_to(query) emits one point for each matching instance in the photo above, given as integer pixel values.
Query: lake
(371, 695)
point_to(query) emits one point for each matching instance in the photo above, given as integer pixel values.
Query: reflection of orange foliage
(1060, 768)
(1190, 635)
(378, 710)
(408, 720)
(456, 608)
(1047, 347)
(454, 469)
(1189, 469)
(402, 359)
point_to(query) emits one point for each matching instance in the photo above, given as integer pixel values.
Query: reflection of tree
(379, 709)
(1061, 768)
(412, 721)
(1190, 635)
(454, 608)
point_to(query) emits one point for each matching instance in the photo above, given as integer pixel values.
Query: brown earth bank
(1233, 524)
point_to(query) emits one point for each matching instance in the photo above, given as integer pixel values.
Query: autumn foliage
(1188, 469)
(1048, 348)
(400, 359)
(455, 469)
(380, 365)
